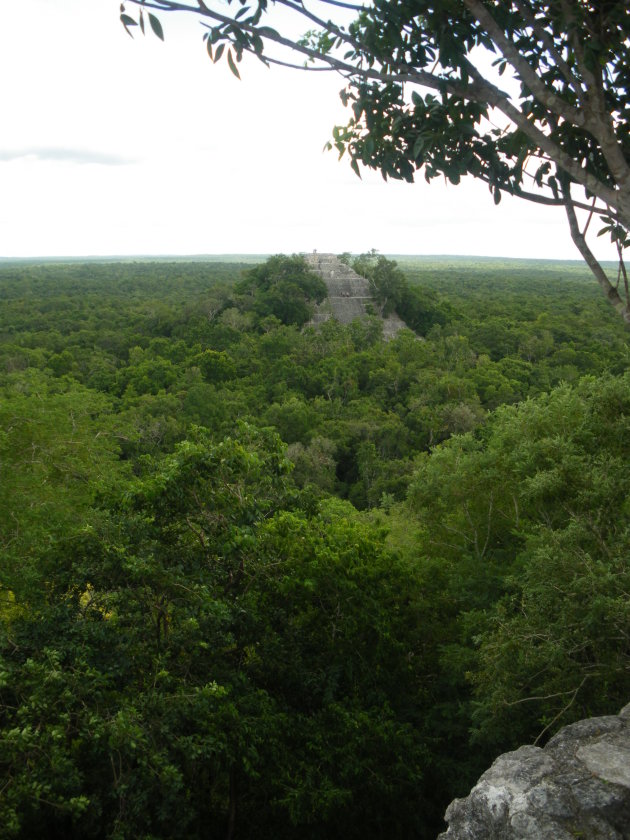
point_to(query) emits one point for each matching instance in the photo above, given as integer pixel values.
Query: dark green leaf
(156, 26)
(127, 22)
(268, 32)
(232, 66)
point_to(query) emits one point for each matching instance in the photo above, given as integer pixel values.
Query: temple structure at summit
(349, 294)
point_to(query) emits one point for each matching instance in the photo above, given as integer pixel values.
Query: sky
(120, 146)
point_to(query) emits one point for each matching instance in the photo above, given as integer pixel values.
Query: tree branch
(562, 711)
(278, 62)
(623, 272)
(480, 90)
(571, 26)
(548, 44)
(351, 6)
(537, 198)
(327, 26)
(498, 99)
(509, 51)
(588, 256)
(599, 121)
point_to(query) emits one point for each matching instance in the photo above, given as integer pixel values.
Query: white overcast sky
(117, 146)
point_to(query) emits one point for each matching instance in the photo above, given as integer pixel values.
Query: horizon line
(258, 254)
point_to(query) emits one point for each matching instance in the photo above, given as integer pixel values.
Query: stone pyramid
(348, 294)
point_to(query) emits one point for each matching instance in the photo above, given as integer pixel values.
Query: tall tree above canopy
(427, 88)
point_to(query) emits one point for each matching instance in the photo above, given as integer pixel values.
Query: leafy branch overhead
(154, 22)
(531, 97)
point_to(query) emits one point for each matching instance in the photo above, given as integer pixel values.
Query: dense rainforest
(260, 580)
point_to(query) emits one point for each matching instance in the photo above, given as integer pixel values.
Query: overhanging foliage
(425, 83)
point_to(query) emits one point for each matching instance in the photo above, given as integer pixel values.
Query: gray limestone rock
(578, 786)
(348, 294)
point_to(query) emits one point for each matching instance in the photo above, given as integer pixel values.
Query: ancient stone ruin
(348, 294)
(577, 786)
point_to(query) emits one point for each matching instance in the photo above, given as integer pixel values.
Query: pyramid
(348, 294)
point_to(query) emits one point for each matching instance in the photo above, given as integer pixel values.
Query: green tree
(213, 657)
(387, 281)
(314, 465)
(423, 96)
(59, 449)
(530, 520)
(283, 287)
(555, 648)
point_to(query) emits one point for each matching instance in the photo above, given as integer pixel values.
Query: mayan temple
(348, 294)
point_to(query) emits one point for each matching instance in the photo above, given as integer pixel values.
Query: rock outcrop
(578, 786)
(348, 294)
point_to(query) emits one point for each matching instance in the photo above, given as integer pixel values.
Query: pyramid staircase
(348, 294)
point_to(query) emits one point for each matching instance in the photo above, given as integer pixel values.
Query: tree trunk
(589, 258)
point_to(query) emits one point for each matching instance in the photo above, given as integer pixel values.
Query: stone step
(348, 293)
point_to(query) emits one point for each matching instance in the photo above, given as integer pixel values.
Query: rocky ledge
(578, 786)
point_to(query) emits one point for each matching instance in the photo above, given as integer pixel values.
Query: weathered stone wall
(348, 294)
(578, 786)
